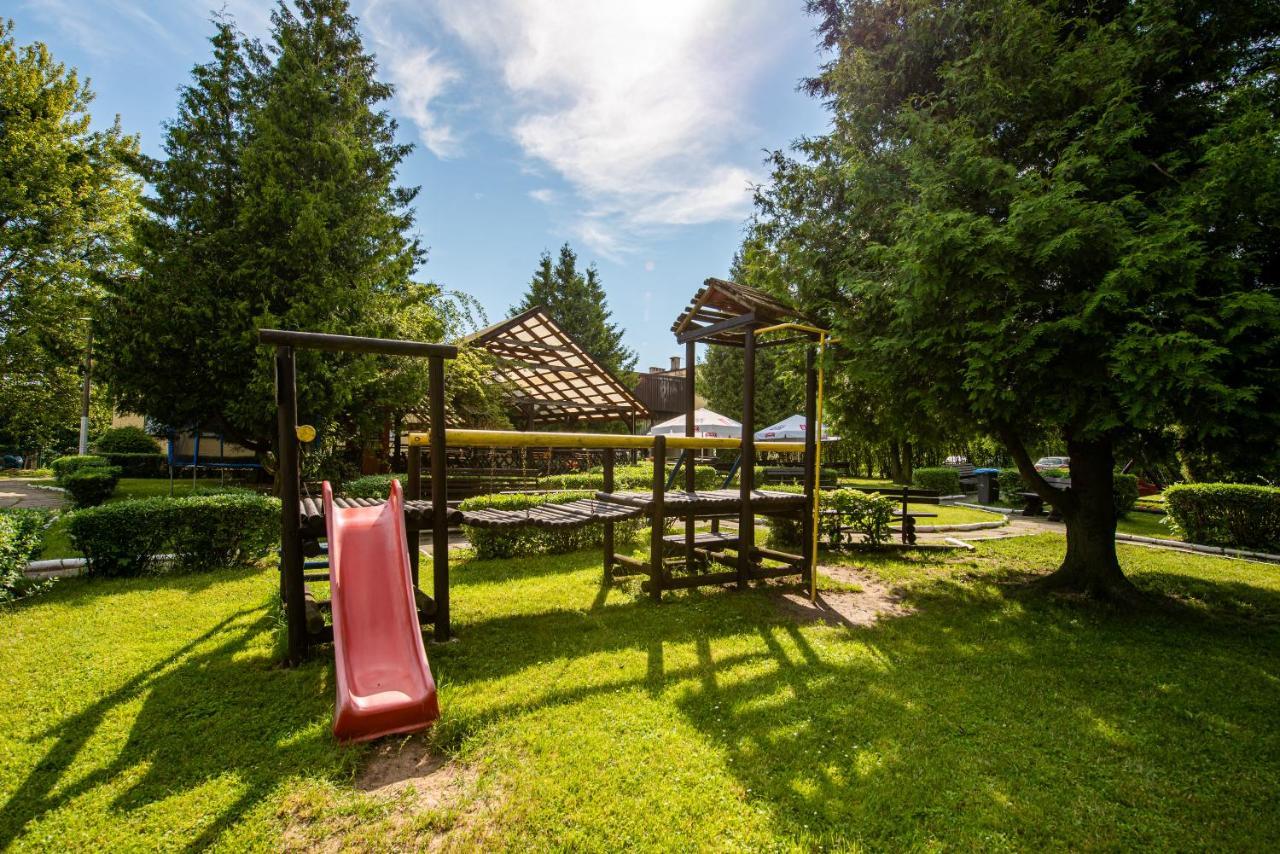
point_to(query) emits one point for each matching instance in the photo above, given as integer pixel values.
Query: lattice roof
(552, 378)
(735, 309)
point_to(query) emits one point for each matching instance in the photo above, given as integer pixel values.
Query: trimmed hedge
(65, 466)
(639, 476)
(1237, 515)
(945, 481)
(512, 542)
(89, 486)
(202, 532)
(1124, 489)
(372, 485)
(20, 536)
(151, 465)
(126, 440)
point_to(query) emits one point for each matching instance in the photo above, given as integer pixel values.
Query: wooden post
(293, 585)
(690, 477)
(657, 516)
(413, 492)
(812, 476)
(439, 498)
(747, 467)
(608, 526)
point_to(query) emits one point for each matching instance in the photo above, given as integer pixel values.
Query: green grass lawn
(1146, 525)
(948, 514)
(150, 713)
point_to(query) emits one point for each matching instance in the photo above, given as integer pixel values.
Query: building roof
(722, 312)
(553, 380)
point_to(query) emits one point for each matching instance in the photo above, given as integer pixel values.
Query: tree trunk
(908, 461)
(895, 462)
(1091, 567)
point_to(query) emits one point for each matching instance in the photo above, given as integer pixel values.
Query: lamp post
(84, 394)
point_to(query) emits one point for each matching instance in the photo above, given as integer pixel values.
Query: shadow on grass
(206, 712)
(980, 719)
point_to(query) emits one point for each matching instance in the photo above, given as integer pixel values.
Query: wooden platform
(712, 541)
(575, 514)
(709, 501)
(415, 512)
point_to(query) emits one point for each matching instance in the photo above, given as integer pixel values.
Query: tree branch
(1060, 498)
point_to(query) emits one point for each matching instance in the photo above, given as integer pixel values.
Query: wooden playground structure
(722, 313)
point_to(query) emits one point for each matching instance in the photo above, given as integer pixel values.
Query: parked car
(10, 461)
(957, 461)
(1046, 463)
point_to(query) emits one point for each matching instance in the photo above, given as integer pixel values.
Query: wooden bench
(907, 495)
(1034, 504)
(967, 476)
(788, 474)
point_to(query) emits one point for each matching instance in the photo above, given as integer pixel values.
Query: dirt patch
(396, 767)
(875, 601)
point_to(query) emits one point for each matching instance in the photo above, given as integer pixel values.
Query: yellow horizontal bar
(778, 327)
(518, 439)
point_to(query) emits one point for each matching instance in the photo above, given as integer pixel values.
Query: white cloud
(543, 194)
(635, 105)
(421, 76)
(649, 266)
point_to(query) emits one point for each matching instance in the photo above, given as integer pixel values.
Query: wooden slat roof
(550, 375)
(719, 300)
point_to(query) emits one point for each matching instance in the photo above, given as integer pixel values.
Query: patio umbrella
(789, 429)
(706, 425)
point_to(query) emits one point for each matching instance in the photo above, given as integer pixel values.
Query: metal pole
(746, 474)
(812, 477)
(439, 498)
(290, 509)
(84, 394)
(413, 482)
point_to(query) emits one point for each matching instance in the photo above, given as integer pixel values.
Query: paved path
(16, 492)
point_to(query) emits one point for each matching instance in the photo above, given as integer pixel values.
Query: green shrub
(1227, 514)
(20, 536)
(1125, 491)
(639, 477)
(531, 540)
(866, 513)
(89, 486)
(65, 466)
(858, 512)
(372, 485)
(126, 440)
(944, 481)
(202, 532)
(139, 465)
(1124, 487)
(1011, 483)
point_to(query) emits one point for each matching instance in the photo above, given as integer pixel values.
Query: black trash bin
(988, 485)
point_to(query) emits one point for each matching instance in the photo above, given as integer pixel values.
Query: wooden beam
(695, 334)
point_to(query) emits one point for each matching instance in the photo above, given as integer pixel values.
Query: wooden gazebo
(553, 381)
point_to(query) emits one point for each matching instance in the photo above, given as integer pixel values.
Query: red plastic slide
(384, 683)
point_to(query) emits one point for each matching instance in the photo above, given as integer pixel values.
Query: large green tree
(275, 205)
(577, 302)
(1048, 217)
(66, 198)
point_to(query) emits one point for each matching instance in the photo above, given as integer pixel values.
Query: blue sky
(631, 129)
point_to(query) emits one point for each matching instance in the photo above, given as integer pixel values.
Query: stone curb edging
(960, 526)
(1178, 545)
